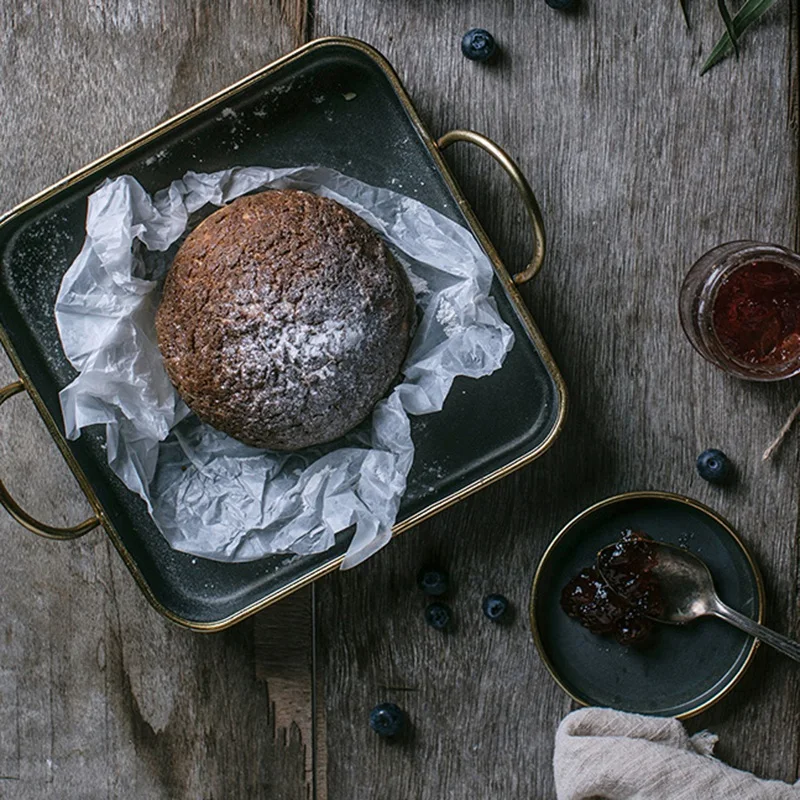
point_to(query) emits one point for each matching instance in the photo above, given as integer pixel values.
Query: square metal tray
(335, 102)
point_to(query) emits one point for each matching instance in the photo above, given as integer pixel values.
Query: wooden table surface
(640, 166)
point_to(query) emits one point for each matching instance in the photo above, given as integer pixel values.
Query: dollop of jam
(619, 595)
(756, 313)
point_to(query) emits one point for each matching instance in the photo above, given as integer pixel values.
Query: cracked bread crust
(284, 319)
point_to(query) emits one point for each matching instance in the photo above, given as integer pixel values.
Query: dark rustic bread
(284, 319)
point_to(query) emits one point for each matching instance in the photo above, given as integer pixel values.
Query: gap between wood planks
(285, 658)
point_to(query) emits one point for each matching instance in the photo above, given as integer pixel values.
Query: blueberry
(478, 45)
(714, 466)
(438, 616)
(433, 581)
(387, 719)
(563, 5)
(495, 607)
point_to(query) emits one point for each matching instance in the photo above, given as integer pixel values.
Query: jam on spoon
(620, 594)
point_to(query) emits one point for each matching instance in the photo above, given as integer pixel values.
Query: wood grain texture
(640, 166)
(99, 696)
(285, 659)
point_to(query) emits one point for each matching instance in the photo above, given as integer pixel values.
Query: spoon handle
(781, 643)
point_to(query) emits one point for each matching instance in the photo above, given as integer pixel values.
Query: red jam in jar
(757, 313)
(740, 308)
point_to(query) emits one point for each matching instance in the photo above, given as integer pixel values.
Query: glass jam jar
(740, 308)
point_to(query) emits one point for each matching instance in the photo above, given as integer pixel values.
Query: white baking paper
(209, 494)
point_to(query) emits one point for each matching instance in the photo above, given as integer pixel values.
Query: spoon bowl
(687, 592)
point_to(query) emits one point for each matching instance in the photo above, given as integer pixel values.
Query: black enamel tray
(334, 102)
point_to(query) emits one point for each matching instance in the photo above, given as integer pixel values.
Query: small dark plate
(683, 669)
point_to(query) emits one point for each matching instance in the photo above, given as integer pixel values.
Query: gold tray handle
(521, 182)
(21, 516)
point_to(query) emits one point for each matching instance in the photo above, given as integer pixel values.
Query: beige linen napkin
(612, 755)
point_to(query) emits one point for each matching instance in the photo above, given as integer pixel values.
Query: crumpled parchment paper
(209, 494)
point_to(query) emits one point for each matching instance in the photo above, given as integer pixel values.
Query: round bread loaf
(284, 319)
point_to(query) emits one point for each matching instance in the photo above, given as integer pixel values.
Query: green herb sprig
(726, 18)
(685, 13)
(735, 26)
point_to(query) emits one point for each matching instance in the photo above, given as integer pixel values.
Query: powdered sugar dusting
(447, 316)
(298, 344)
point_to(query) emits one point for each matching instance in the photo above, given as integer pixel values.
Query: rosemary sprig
(685, 13)
(726, 18)
(751, 11)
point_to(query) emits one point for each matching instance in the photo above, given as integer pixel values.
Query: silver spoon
(687, 589)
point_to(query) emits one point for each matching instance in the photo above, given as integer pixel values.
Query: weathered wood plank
(640, 166)
(285, 659)
(9, 725)
(99, 696)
